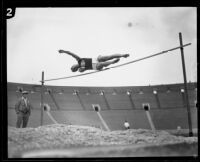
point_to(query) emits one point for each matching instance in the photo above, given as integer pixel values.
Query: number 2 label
(9, 12)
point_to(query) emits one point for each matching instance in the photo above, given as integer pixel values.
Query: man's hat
(25, 92)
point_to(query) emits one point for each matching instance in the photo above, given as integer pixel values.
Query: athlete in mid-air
(93, 63)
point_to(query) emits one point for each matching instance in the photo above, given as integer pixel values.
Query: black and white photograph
(102, 82)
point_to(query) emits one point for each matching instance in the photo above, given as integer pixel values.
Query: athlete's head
(75, 67)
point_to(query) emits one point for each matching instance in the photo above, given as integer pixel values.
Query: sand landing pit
(60, 140)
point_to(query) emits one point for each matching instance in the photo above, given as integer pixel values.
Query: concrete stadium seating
(68, 101)
(118, 101)
(171, 100)
(77, 108)
(192, 95)
(12, 98)
(139, 99)
(89, 99)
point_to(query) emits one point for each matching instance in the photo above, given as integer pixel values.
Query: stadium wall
(171, 113)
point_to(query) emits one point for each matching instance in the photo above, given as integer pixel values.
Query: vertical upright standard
(42, 102)
(185, 86)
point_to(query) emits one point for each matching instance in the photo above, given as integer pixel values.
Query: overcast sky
(35, 35)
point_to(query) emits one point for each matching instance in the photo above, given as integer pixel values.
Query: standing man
(23, 110)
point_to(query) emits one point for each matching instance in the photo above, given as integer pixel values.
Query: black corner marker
(10, 12)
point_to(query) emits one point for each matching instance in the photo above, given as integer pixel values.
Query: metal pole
(185, 86)
(42, 100)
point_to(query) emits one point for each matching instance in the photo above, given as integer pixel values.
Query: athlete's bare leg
(75, 68)
(100, 65)
(70, 53)
(110, 57)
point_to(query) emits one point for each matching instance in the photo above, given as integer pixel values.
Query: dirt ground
(60, 140)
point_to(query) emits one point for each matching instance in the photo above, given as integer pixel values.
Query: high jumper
(98, 63)
(120, 65)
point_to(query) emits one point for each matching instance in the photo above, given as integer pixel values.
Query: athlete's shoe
(126, 55)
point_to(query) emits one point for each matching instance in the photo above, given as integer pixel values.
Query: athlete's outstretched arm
(70, 53)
